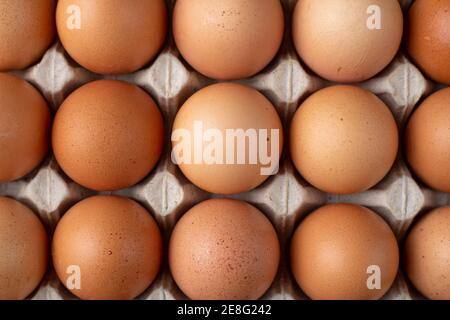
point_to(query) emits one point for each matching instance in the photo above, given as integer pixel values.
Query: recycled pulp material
(284, 198)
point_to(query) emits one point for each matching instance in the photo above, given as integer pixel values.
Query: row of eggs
(340, 40)
(108, 247)
(109, 135)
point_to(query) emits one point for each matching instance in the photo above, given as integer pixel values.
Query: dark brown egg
(112, 36)
(23, 250)
(342, 252)
(107, 247)
(108, 135)
(429, 37)
(224, 249)
(24, 128)
(428, 141)
(27, 28)
(427, 254)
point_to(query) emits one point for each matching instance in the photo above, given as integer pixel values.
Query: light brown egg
(112, 36)
(347, 40)
(428, 39)
(228, 39)
(224, 249)
(428, 141)
(341, 251)
(427, 254)
(108, 135)
(24, 128)
(343, 140)
(107, 248)
(23, 250)
(27, 28)
(223, 107)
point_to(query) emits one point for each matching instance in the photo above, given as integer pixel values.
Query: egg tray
(285, 198)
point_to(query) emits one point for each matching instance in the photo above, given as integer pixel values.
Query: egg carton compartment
(285, 198)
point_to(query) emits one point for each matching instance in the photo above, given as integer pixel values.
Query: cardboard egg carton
(285, 198)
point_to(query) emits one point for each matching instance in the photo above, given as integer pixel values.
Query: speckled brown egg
(27, 28)
(344, 252)
(347, 40)
(23, 250)
(428, 39)
(220, 162)
(428, 141)
(108, 135)
(108, 248)
(224, 249)
(343, 140)
(112, 36)
(427, 254)
(228, 39)
(24, 128)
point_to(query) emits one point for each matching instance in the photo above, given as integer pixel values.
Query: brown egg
(224, 249)
(108, 248)
(208, 154)
(27, 28)
(112, 36)
(427, 254)
(344, 252)
(108, 135)
(228, 39)
(347, 40)
(23, 250)
(24, 128)
(428, 39)
(343, 140)
(428, 141)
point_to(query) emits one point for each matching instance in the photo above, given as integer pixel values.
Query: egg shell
(428, 38)
(27, 28)
(343, 140)
(23, 250)
(115, 243)
(228, 39)
(427, 254)
(24, 128)
(333, 248)
(108, 135)
(334, 39)
(428, 141)
(112, 36)
(224, 249)
(227, 106)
